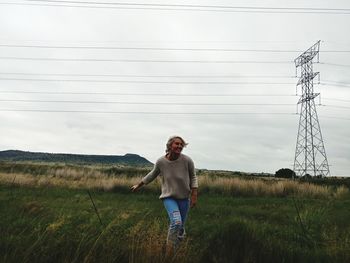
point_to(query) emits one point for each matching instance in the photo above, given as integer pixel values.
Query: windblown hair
(170, 142)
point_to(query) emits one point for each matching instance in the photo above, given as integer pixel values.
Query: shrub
(285, 173)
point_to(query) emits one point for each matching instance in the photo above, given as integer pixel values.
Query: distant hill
(127, 159)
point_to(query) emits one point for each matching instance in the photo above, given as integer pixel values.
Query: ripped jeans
(177, 211)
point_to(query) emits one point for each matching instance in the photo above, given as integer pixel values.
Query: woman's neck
(172, 156)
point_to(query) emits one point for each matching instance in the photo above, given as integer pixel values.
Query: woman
(179, 187)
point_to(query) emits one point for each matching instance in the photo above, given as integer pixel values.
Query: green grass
(52, 224)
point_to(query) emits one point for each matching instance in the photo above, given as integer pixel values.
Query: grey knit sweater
(177, 177)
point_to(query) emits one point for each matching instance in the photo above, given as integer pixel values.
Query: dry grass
(234, 186)
(277, 188)
(341, 192)
(94, 181)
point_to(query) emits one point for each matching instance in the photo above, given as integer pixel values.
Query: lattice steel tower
(310, 154)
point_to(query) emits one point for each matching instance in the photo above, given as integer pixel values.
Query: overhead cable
(146, 103)
(181, 7)
(335, 99)
(146, 94)
(334, 64)
(146, 61)
(145, 76)
(335, 106)
(334, 117)
(149, 112)
(150, 82)
(335, 85)
(165, 49)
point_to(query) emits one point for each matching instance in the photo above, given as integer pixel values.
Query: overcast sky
(250, 138)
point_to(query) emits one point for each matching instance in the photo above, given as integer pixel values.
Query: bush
(285, 173)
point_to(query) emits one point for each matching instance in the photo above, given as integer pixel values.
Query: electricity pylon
(310, 153)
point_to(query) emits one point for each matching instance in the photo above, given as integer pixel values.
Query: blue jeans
(177, 210)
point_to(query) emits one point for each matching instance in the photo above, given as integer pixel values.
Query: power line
(160, 95)
(147, 94)
(170, 41)
(334, 64)
(182, 7)
(336, 99)
(146, 61)
(149, 82)
(159, 113)
(335, 118)
(164, 9)
(165, 49)
(335, 85)
(335, 106)
(146, 103)
(146, 48)
(149, 112)
(144, 76)
(326, 82)
(336, 82)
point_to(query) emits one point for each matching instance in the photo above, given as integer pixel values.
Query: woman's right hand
(136, 187)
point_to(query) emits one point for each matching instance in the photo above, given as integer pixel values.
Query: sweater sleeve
(192, 173)
(152, 174)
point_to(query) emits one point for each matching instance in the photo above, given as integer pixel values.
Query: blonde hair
(171, 140)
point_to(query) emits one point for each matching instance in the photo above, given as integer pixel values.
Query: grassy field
(48, 216)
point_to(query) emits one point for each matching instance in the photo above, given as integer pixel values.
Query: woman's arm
(194, 194)
(192, 174)
(147, 179)
(193, 183)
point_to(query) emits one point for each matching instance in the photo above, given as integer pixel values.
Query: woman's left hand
(193, 197)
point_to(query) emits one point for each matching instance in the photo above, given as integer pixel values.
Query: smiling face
(174, 145)
(177, 146)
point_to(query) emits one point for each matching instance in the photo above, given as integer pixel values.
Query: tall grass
(60, 169)
(93, 181)
(235, 186)
(148, 244)
(275, 188)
